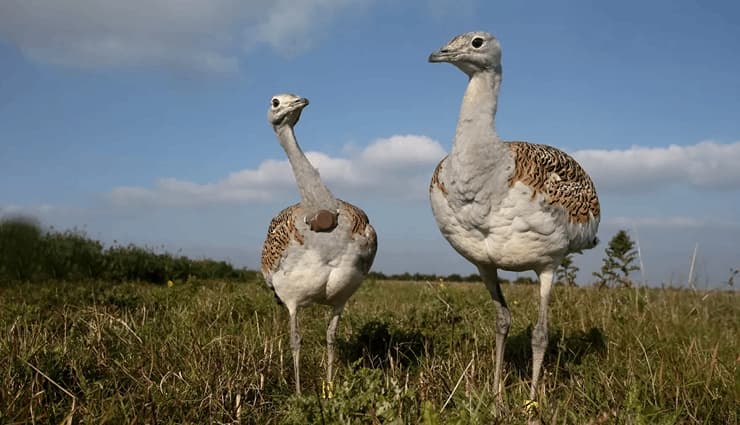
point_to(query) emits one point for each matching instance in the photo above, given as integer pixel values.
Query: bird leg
(539, 334)
(295, 345)
(503, 322)
(331, 332)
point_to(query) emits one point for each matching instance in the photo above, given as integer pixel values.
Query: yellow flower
(531, 406)
(170, 284)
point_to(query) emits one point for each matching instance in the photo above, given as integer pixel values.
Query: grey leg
(331, 332)
(503, 322)
(539, 335)
(295, 345)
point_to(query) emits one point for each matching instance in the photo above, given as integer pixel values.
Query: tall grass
(215, 351)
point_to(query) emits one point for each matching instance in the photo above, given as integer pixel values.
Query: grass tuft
(215, 351)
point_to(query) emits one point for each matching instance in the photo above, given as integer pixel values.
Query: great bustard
(318, 250)
(507, 205)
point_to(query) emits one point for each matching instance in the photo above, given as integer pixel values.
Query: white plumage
(316, 251)
(507, 205)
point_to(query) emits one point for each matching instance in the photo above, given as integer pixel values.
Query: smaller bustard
(507, 205)
(318, 250)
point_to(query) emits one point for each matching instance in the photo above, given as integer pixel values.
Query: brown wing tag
(323, 221)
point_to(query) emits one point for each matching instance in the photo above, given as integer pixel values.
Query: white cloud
(705, 165)
(261, 184)
(400, 166)
(285, 23)
(199, 35)
(400, 151)
(669, 222)
(397, 167)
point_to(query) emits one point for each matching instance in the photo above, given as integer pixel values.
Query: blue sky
(145, 121)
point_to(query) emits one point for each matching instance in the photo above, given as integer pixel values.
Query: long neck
(475, 125)
(314, 193)
(478, 161)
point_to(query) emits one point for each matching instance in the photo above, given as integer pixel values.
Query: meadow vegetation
(127, 335)
(216, 351)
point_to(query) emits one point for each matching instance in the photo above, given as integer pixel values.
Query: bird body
(507, 205)
(318, 250)
(511, 223)
(306, 267)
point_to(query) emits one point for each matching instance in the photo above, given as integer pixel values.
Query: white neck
(477, 147)
(314, 193)
(478, 111)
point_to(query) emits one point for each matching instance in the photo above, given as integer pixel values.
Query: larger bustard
(318, 250)
(507, 205)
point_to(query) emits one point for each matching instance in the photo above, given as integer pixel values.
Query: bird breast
(522, 232)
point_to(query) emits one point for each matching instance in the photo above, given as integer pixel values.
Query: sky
(145, 121)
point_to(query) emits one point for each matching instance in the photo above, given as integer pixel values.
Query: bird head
(285, 109)
(472, 52)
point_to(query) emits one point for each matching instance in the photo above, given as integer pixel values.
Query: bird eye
(477, 42)
(275, 103)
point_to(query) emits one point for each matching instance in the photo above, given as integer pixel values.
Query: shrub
(29, 253)
(619, 262)
(20, 242)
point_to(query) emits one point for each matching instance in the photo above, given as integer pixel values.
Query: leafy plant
(619, 262)
(566, 273)
(731, 280)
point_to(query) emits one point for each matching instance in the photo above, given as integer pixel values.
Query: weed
(216, 351)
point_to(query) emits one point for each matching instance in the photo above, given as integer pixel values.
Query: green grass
(217, 352)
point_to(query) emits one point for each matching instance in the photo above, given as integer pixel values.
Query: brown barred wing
(357, 217)
(281, 232)
(435, 179)
(362, 228)
(553, 172)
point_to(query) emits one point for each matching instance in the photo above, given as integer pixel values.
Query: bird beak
(441, 55)
(302, 102)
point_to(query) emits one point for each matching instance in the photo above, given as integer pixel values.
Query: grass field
(217, 352)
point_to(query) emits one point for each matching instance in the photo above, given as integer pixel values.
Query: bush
(28, 253)
(70, 256)
(20, 242)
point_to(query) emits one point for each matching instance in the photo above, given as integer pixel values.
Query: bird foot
(327, 389)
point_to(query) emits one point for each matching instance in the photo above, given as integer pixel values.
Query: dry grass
(216, 352)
